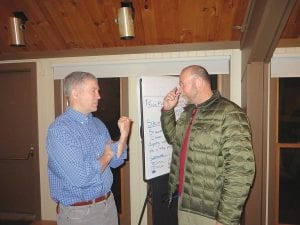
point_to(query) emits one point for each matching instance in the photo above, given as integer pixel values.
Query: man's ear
(199, 82)
(75, 93)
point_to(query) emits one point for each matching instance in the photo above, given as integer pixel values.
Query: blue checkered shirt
(74, 144)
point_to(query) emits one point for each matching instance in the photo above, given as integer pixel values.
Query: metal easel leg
(147, 199)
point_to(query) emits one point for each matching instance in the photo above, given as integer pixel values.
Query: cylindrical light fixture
(16, 28)
(125, 21)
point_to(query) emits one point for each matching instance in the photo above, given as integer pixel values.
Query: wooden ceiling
(60, 26)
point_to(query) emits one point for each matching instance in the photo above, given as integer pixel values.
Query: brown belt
(99, 199)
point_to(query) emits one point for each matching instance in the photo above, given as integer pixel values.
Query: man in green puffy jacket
(212, 164)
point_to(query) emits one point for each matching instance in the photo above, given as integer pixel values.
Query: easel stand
(157, 196)
(147, 199)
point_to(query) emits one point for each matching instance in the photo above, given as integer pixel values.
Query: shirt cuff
(167, 111)
(114, 147)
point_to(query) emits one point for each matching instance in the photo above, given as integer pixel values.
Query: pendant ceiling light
(125, 20)
(17, 28)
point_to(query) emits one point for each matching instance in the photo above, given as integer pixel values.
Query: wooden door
(19, 170)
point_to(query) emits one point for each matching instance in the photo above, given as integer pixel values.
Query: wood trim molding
(203, 46)
(255, 92)
(125, 216)
(292, 42)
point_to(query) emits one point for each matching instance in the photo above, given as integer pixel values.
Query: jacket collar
(216, 95)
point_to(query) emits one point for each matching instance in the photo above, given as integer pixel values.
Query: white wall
(45, 79)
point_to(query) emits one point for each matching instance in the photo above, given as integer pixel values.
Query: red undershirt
(183, 152)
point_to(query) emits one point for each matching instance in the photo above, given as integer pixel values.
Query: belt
(99, 199)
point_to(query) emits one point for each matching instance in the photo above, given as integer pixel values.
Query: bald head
(198, 71)
(195, 84)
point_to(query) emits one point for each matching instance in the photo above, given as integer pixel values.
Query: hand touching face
(171, 99)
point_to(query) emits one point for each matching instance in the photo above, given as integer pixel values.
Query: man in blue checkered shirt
(80, 155)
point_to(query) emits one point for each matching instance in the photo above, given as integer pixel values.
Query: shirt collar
(78, 116)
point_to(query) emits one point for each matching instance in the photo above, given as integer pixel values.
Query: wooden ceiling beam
(201, 46)
(263, 26)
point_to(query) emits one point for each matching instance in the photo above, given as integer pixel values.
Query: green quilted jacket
(219, 167)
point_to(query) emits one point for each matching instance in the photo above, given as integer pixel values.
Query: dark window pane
(109, 105)
(214, 81)
(289, 110)
(289, 186)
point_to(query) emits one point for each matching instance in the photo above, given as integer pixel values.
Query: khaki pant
(101, 213)
(186, 218)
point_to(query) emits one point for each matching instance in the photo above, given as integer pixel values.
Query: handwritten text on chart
(154, 103)
(159, 152)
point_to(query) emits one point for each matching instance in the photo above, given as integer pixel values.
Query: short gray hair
(74, 79)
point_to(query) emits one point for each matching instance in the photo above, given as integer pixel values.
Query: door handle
(29, 154)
